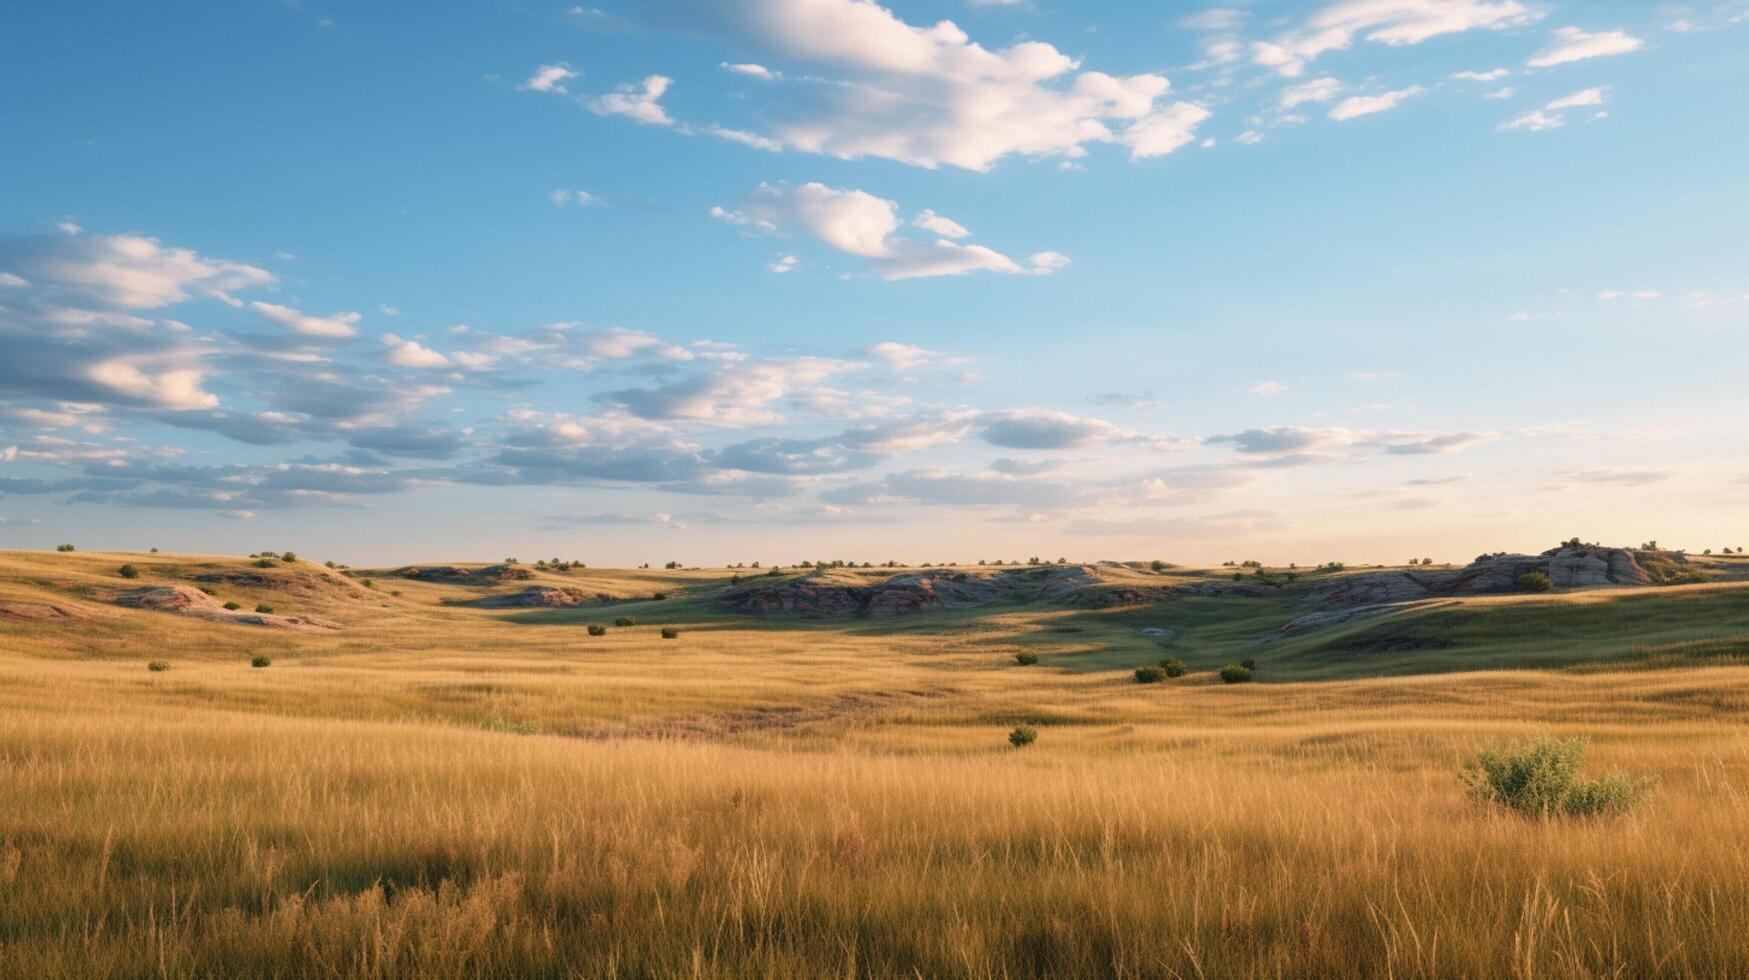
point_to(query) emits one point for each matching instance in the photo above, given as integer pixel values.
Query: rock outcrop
(541, 597)
(185, 601)
(813, 597)
(1568, 567)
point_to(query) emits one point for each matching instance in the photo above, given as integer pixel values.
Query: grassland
(440, 790)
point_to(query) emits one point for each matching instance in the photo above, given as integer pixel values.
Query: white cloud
(1213, 19)
(1549, 116)
(1583, 97)
(640, 102)
(930, 95)
(859, 223)
(1493, 75)
(582, 199)
(408, 353)
(1366, 105)
(1249, 137)
(1572, 44)
(1391, 22)
(1503, 92)
(900, 357)
(1267, 389)
(783, 263)
(332, 325)
(750, 70)
(177, 388)
(137, 272)
(550, 78)
(1316, 90)
(1640, 294)
(945, 227)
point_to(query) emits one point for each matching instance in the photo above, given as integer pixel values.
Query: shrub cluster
(1026, 659)
(1534, 582)
(1235, 674)
(158, 666)
(596, 629)
(1022, 736)
(128, 571)
(1174, 667)
(1540, 778)
(670, 633)
(625, 621)
(1150, 675)
(261, 660)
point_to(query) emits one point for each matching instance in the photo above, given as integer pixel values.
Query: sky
(719, 281)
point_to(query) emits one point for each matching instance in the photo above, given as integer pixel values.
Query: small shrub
(625, 621)
(1540, 778)
(670, 633)
(265, 563)
(209, 590)
(232, 606)
(1026, 659)
(1174, 667)
(658, 596)
(1534, 582)
(128, 571)
(497, 724)
(289, 557)
(158, 666)
(264, 608)
(1022, 736)
(261, 660)
(1248, 664)
(63, 547)
(1235, 674)
(1150, 675)
(597, 630)
(1157, 565)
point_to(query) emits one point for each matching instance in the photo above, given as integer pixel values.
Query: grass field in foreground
(828, 800)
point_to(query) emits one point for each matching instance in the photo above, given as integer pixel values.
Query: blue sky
(784, 279)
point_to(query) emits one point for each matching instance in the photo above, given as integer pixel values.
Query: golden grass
(809, 802)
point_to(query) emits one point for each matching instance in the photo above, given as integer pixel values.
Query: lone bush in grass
(265, 563)
(1235, 674)
(1026, 659)
(63, 547)
(158, 666)
(1540, 778)
(625, 621)
(128, 571)
(1534, 582)
(1150, 675)
(264, 608)
(1022, 736)
(232, 606)
(670, 633)
(261, 660)
(1175, 667)
(597, 630)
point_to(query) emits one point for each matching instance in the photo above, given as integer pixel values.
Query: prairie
(436, 789)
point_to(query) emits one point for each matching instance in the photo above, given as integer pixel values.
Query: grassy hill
(422, 786)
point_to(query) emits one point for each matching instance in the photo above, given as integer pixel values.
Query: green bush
(128, 571)
(658, 596)
(264, 608)
(1174, 667)
(265, 563)
(1157, 565)
(1248, 664)
(289, 557)
(1150, 675)
(1534, 582)
(1235, 674)
(261, 660)
(63, 547)
(232, 606)
(1022, 736)
(1540, 778)
(670, 633)
(1026, 659)
(597, 630)
(625, 621)
(158, 666)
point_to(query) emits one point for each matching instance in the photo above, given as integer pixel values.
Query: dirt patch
(40, 611)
